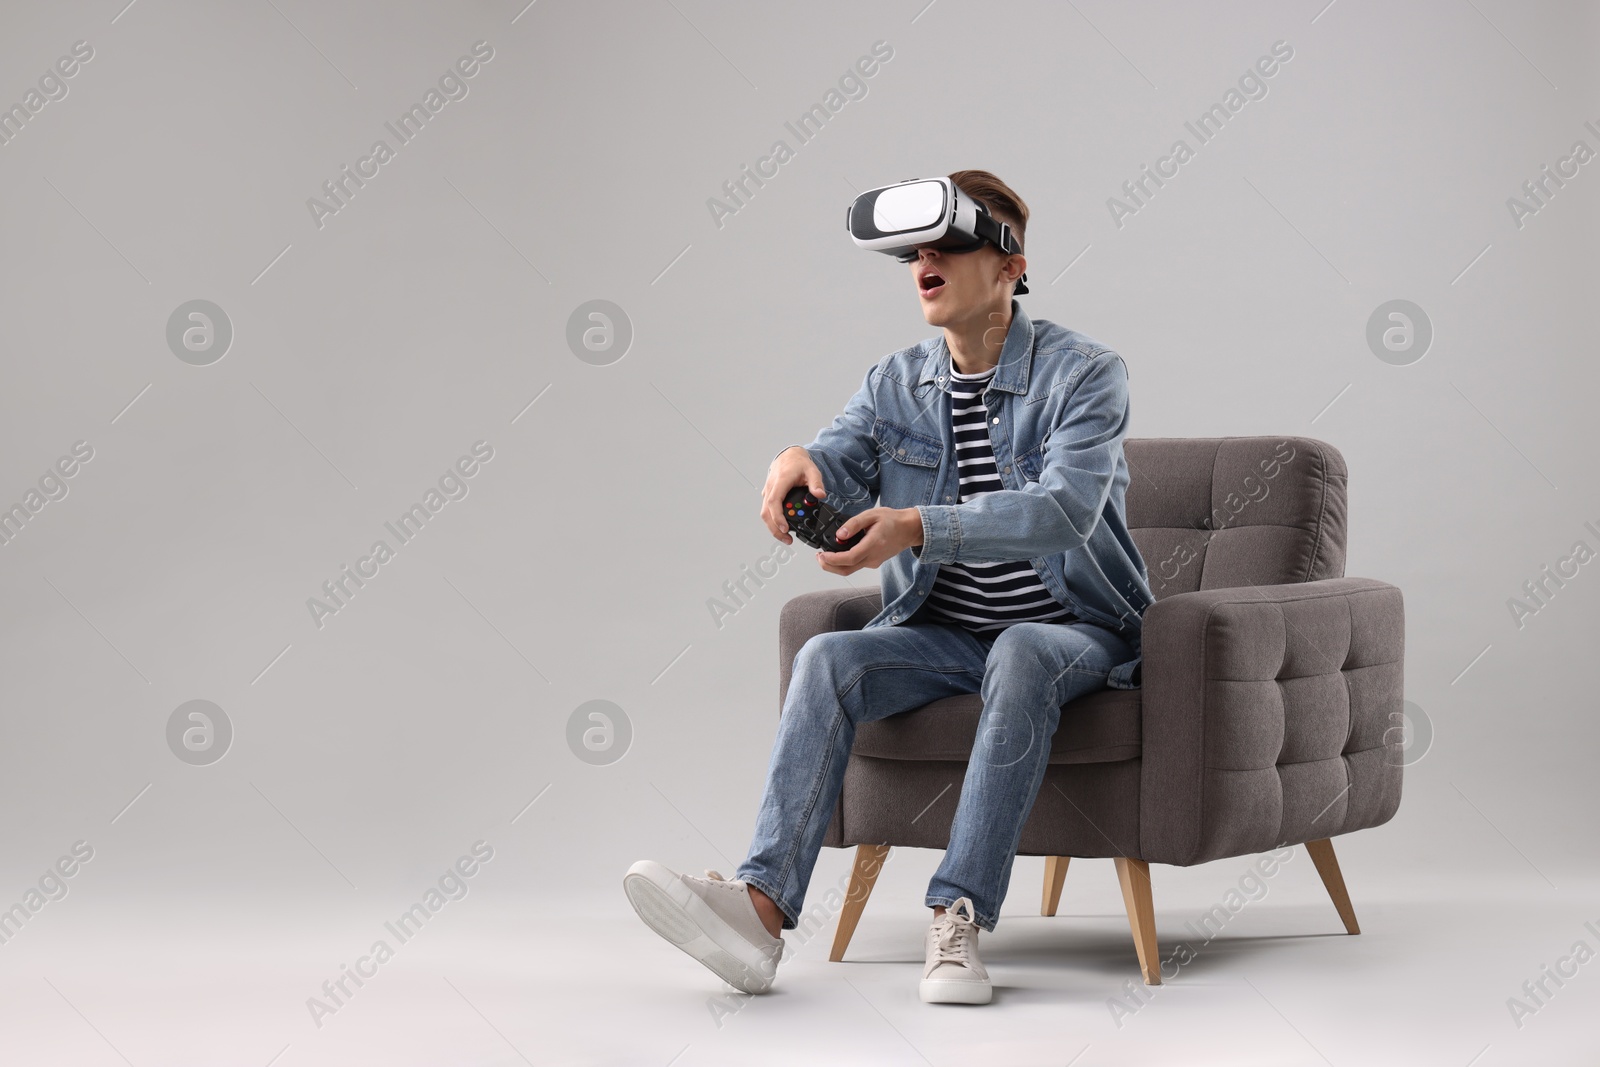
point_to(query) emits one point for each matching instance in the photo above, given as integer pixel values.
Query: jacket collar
(1016, 357)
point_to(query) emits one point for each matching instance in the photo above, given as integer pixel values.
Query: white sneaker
(954, 974)
(712, 919)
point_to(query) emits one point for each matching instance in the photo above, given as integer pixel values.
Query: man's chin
(936, 312)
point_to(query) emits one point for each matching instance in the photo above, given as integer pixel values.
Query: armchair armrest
(1269, 715)
(809, 614)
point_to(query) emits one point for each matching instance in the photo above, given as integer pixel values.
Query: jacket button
(900, 452)
(1006, 471)
(995, 421)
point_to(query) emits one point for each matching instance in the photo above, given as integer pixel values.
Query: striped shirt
(984, 597)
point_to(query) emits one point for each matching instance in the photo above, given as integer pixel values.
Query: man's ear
(1013, 267)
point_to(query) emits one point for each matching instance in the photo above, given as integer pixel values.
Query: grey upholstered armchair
(1271, 692)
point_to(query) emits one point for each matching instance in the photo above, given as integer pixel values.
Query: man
(994, 453)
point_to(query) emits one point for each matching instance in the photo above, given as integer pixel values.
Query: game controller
(815, 523)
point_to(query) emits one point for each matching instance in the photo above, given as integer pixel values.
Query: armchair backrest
(1223, 512)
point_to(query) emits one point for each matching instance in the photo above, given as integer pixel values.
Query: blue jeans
(1025, 674)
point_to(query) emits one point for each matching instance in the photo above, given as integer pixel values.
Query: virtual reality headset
(898, 219)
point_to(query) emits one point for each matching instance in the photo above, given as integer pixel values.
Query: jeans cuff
(987, 922)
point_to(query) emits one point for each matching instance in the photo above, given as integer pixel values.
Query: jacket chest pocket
(1030, 464)
(909, 462)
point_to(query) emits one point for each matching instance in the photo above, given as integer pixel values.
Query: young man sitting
(994, 453)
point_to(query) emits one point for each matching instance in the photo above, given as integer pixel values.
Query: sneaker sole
(672, 910)
(955, 992)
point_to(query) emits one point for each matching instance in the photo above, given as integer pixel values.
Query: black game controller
(816, 523)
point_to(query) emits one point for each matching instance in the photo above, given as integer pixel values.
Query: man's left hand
(889, 532)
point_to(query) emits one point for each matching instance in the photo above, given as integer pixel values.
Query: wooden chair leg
(863, 876)
(1328, 866)
(1135, 878)
(1055, 873)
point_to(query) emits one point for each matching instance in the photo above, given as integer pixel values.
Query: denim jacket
(1058, 413)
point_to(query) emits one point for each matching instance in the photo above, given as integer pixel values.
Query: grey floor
(505, 978)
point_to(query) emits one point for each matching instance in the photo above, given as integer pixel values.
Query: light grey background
(370, 353)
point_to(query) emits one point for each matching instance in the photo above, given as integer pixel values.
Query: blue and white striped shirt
(984, 597)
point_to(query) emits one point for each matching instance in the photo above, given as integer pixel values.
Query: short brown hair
(1003, 203)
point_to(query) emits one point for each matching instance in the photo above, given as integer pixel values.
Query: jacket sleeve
(1057, 512)
(846, 454)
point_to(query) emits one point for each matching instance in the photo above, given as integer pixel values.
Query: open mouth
(931, 283)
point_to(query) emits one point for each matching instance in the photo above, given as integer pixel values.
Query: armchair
(1270, 688)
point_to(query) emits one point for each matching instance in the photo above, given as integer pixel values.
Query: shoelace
(952, 941)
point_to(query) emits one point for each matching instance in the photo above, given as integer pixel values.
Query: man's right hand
(791, 467)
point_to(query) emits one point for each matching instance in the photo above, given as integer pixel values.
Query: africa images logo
(342, 188)
(453, 485)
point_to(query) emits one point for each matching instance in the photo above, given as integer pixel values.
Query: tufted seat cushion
(1102, 727)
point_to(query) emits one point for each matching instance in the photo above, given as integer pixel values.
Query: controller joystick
(815, 523)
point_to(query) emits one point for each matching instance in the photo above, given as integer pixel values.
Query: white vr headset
(898, 219)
